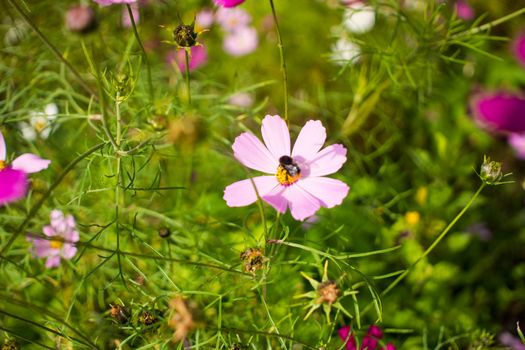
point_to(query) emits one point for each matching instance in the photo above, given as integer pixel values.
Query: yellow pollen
(284, 177)
(56, 243)
(40, 125)
(2, 164)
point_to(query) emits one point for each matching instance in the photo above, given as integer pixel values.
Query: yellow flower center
(2, 164)
(287, 172)
(56, 243)
(40, 126)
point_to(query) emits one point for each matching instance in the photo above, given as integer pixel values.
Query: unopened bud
(164, 232)
(491, 171)
(185, 36)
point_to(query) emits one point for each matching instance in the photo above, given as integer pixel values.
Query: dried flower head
(181, 318)
(119, 313)
(253, 260)
(148, 318)
(184, 35)
(328, 292)
(10, 344)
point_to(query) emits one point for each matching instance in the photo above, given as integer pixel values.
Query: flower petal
(2, 147)
(500, 111)
(276, 136)
(250, 151)
(53, 261)
(329, 192)
(242, 193)
(517, 141)
(302, 204)
(328, 161)
(13, 185)
(30, 163)
(276, 199)
(49, 230)
(310, 140)
(69, 251)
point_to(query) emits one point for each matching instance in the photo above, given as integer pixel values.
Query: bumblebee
(287, 163)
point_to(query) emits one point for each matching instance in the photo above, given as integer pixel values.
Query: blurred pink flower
(198, 58)
(370, 340)
(519, 48)
(80, 19)
(241, 42)
(111, 2)
(464, 10)
(62, 236)
(297, 178)
(241, 99)
(513, 342)
(231, 19)
(499, 111)
(228, 3)
(13, 177)
(517, 142)
(204, 19)
(126, 20)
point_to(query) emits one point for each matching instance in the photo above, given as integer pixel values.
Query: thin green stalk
(187, 57)
(53, 49)
(119, 121)
(431, 247)
(145, 56)
(46, 195)
(489, 25)
(283, 62)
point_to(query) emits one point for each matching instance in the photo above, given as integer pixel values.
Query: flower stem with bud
(187, 58)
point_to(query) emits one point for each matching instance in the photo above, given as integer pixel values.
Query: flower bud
(253, 259)
(491, 171)
(185, 36)
(164, 232)
(328, 292)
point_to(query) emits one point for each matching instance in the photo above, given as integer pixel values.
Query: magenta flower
(370, 340)
(499, 111)
(62, 236)
(519, 48)
(228, 3)
(13, 177)
(198, 58)
(241, 42)
(111, 2)
(464, 10)
(297, 178)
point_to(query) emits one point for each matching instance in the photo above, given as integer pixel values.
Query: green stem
(119, 120)
(283, 62)
(144, 55)
(46, 195)
(489, 25)
(53, 49)
(430, 248)
(187, 57)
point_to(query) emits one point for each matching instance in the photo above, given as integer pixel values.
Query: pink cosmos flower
(370, 340)
(13, 177)
(519, 48)
(297, 177)
(499, 111)
(204, 19)
(198, 58)
(62, 236)
(464, 10)
(126, 20)
(228, 3)
(231, 19)
(517, 142)
(241, 42)
(111, 2)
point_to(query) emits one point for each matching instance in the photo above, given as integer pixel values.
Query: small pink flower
(111, 2)
(517, 142)
(62, 236)
(519, 48)
(370, 340)
(241, 42)
(297, 177)
(126, 19)
(499, 111)
(228, 3)
(347, 337)
(13, 177)
(198, 57)
(231, 19)
(204, 19)
(464, 10)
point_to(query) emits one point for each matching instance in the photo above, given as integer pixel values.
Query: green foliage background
(402, 113)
